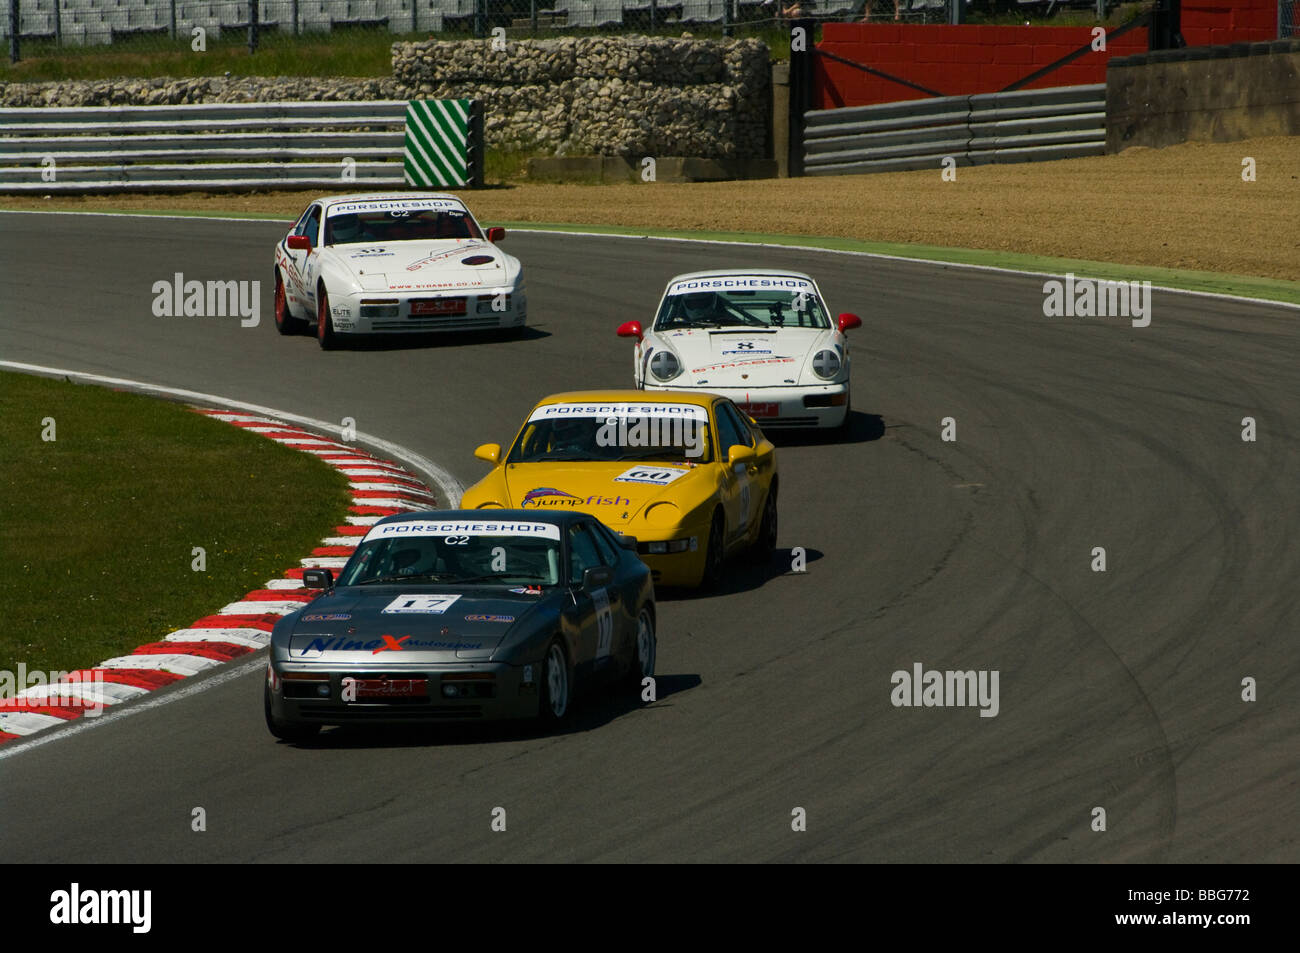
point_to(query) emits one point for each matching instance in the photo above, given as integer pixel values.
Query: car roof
(559, 518)
(727, 272)
(630, 395)
(328, 200)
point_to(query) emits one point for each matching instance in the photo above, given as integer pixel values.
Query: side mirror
(496, 233)
(299, 243)
(597, 576)
(318, 578)
(627, 542)
(740, 453)
(631, 329)
(491, 452)
(848, 322)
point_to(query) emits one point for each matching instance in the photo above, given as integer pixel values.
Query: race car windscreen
(455, 558)
(709, 303)
(645, 438)
(399, 225)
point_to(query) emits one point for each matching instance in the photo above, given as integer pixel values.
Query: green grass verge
(1246, 286)
(97, 527)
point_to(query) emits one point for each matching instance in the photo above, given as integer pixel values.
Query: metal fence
(1023, 126)
(241, 146)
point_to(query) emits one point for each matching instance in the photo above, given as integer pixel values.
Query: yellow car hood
(615, 493)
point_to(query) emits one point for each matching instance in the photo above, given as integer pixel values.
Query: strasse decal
(420, 604)
(394, 205)
(465, 528)
(658, 476)
(439, 256)
(723, 367)
(550, 411)
(435, 285)
(739, 282)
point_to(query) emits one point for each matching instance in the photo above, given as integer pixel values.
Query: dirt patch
(1181, 207)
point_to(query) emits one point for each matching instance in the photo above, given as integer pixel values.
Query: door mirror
(848, 322)
(299, 243)
(491, 452)
(318, 578)
(630, 329)
(596, 577)
(627, 542)
(496, 233)
(741, 454)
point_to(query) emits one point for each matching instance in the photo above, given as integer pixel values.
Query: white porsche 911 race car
(763, 338)
(394, 263)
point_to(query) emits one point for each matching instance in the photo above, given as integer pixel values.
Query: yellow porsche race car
(688, 475)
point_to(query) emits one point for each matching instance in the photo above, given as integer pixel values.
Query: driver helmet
(404, 560)
(698, 305)
(345, 228)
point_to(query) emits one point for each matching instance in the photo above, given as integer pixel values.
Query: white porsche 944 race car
(394, 263)
(763, 338)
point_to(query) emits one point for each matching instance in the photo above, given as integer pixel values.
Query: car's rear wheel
(324, 324)
(645, 650)
(765, 545)
(286, 730)
(715, 552)
(285, 322)
(557, 686)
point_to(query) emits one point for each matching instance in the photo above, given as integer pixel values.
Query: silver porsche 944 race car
(464, 615)
(392, 264)
(766, 339)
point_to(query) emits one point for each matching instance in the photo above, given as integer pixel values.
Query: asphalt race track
(1119, 690)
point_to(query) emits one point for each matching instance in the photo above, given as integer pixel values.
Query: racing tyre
(557, 686)
(644, 651)
(324, 324)
(286, 731)
(765, 545)
(715, 554)
(285, 322)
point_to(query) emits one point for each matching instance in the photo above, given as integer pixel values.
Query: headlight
(665, 366)
(826, 364)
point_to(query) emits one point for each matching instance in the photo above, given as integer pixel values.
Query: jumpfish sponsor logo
(604, 411)
(546, 496)
(439, 256)
(1092, 298)
(75, 906)
(739, 282)
(465, 528)
(321, 644)
(56, 689)
(489, 618)
(212, 299)
(540, 493)
(394, 205)
(673, 433)
(920, 688)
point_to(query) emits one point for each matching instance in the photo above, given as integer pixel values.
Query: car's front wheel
(324, 324)
(286, 730)
(765, 544)
(557, 686)
(645, 650)
(715, 552)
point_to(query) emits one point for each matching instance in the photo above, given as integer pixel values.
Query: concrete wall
(1204, 94)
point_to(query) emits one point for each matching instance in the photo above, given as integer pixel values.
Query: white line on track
(230, 671)
(711, 241)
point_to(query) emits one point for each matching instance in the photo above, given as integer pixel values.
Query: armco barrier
(222, 147)
(1023, 126)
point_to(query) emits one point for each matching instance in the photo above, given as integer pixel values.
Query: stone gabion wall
(629, 95)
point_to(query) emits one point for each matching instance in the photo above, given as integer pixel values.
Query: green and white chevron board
(437, 150)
